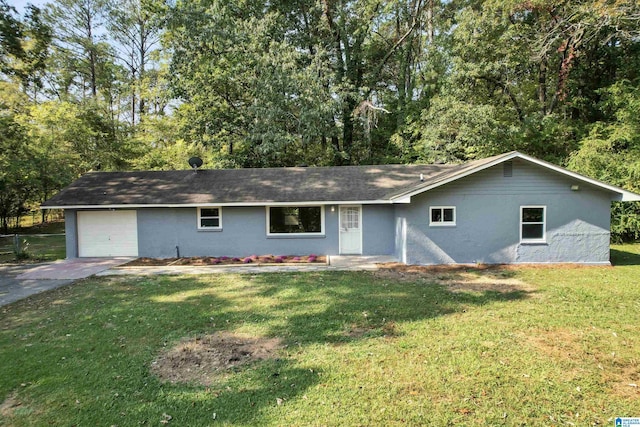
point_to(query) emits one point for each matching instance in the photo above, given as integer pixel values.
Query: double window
(533, 224)
(442, 215)
(209, 218)
(295, 220)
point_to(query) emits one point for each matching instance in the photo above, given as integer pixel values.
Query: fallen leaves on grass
(457, 278)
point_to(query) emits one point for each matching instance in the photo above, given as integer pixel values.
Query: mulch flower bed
(225, 260)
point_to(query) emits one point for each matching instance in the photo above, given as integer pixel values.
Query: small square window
(209, 218)
(442, 216)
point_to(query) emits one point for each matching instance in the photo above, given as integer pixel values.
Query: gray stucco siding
(243, 233)
(487, 226)
(378, 237)
(71, 233)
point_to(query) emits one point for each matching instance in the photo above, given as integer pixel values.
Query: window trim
(313, 234)
(199, 218)
(543, 239)
(442, 223)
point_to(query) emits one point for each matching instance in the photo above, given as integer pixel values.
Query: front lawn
(41, 242)
(496, 346)
(38, 248)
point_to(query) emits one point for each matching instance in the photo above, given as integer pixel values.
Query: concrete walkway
(336, 263)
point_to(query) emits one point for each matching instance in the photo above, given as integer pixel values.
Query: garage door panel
(107, 233)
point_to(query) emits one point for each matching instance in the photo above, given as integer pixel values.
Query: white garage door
(107, 233)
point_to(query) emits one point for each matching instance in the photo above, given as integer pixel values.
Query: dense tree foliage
(145, 84)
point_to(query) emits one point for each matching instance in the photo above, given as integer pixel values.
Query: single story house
(511, 208)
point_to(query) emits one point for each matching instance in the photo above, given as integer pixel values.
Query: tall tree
(248, 92)
(515, 69)
(10, 37)
(81, 51)
(24, 46)
(16, 178)
(318, 71)
(611, 152)
(134, 25)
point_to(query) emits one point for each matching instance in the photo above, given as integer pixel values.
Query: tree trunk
(348, 126)
(337, 158)
(542, 86)
(143, 59)
(92, 55)
(430, 30)
(92, 60)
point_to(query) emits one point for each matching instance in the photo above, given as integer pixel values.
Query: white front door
(350, 230)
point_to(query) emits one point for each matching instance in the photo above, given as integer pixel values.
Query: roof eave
(228, 204)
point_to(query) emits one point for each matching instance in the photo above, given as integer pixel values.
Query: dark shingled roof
(255, 186)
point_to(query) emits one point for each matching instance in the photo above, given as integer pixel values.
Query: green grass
(557, 346)
(38, 248)
(53, 227)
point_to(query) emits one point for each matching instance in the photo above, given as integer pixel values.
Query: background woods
(144, 84)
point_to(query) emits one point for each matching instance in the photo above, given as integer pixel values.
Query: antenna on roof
(195, 163)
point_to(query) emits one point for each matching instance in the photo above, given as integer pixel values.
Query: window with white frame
(533, 223)
(210, 218)
(442, 215)
(292, 220)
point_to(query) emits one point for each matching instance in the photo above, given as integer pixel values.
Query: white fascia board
(403, 199)
(205, 205)
(626, 196)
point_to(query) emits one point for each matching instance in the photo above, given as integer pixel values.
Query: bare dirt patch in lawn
(203, 359)
(625, 381)
(559, 343)
(458, 278)
(562, 345)
(356, 331)
(9, 406)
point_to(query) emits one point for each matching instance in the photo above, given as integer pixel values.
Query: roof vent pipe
(421, 177)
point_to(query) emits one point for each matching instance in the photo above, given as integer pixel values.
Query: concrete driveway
(20, 281)
(13, 289)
